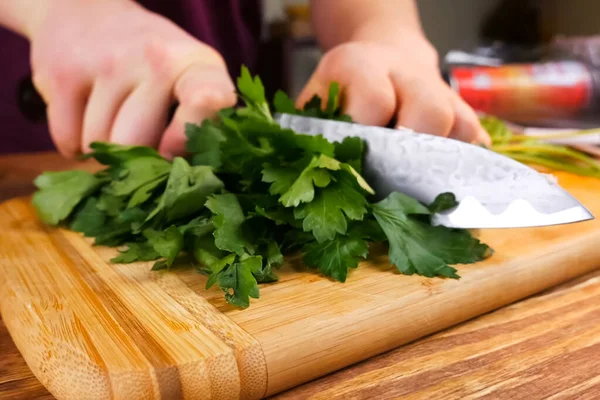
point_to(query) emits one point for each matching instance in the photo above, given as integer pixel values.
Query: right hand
(109, 70)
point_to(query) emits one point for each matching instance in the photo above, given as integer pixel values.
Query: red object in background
(527, 93)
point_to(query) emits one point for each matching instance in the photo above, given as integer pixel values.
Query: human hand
(109, 70)
(382, 82)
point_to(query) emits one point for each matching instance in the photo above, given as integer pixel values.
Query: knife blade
(493, 191)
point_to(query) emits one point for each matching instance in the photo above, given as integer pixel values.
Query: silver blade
(493, 191)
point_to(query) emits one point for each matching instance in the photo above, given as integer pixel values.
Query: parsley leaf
(204, 251)
(271, 253)
(199, 226)
(60, 192)
(186, 192)
(205, 142)
(110, 204)
(228, 219)
(116, 154)
(168, 244)
(326, 214)
(238, 282)
(283, 104)
(334, 257)
(144, 192)
(89, 220)
(252, 92)
(333, 100)
(351, 151)
(313, 108)
(315, 174)
(136, 252)
(417, 247)
(443, 202)
(281, 178)
(138, 172)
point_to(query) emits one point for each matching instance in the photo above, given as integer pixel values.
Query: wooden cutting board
(91, 329)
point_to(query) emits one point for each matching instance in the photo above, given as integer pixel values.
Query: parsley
(417, 247)
(60, 192)
(334, 257)
(136, 252)
(443, 202)
(249, 193)
(537, 151)
(228, 219)
(330, 211)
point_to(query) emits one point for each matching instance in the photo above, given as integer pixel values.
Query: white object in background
(455, 57)
(589, 139)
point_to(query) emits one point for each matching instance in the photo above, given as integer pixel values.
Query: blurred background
(531, 62)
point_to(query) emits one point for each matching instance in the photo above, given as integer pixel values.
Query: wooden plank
(158, 330)
(547, 347)
(87, 330)
(18, 383)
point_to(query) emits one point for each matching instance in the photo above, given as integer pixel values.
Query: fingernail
(483, 138)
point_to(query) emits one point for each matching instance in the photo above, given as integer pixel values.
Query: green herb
(60, 192)
(535, 151)
(313, 108)
(249, 193)
(417, 247)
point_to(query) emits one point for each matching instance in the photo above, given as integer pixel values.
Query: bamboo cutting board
(91, 329)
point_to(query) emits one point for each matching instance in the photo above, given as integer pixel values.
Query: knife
(493, 191)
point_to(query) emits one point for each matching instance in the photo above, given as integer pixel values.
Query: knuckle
(382, 100)
(158, 58)
(210, 99)
(108, 66)
(212, 57)
(350, 59)
(64, 76)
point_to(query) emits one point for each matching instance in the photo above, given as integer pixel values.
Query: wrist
(36, 12)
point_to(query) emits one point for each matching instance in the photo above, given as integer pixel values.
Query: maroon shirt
(230, 26)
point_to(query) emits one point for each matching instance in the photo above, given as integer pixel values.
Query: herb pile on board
(249, 193)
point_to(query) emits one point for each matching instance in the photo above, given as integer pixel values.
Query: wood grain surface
(301, 337)
(541, 363)
(546, 347)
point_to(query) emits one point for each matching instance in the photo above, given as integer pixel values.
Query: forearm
(24, 16)
(394, 22)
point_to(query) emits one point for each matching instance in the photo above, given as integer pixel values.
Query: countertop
(546, 346)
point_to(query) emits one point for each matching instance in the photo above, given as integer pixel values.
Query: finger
(65, 116)
(424, 107)
(143, 116)
(202, 91)
(314, 87)
(101, 111)
(370, 101)
(466, 124)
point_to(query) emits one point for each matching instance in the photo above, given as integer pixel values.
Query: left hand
(381, 82)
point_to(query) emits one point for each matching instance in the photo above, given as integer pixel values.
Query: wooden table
(547, 346)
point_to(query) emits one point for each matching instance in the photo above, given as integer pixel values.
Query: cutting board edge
(534, 286)
(47, 330)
